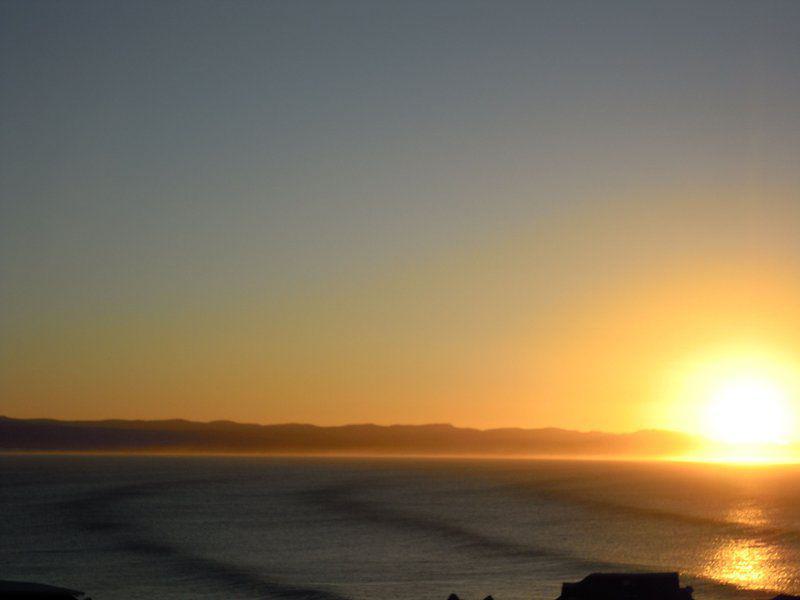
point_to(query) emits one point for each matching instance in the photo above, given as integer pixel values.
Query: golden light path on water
(748, 562)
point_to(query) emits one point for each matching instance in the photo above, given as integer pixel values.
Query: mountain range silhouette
(179, 435)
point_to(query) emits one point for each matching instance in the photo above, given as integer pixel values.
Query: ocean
(162, 528)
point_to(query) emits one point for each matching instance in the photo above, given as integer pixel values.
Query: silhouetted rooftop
(626, 586)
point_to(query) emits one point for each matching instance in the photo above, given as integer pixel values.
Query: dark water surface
(252, 527)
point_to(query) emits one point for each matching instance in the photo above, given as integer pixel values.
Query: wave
(341, 499)
(766, 533)
(91, 513)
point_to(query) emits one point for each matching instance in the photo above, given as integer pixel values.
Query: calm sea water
(242, 527)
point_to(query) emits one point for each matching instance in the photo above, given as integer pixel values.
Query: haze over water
(246, 527)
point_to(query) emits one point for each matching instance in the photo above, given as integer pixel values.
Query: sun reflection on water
(749, 563)
(744, 563)
(748, 515)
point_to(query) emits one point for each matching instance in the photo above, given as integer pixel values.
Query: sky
(484, 213)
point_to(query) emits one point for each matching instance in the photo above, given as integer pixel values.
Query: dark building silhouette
(597, 586)
(626, 586)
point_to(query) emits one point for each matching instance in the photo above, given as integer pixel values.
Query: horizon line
(349, 424)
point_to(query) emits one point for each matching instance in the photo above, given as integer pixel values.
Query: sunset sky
(486, 213)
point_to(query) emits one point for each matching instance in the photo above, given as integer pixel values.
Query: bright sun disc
(749, 410)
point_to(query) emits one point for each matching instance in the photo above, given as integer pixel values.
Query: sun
(749, 409)
(741, 398)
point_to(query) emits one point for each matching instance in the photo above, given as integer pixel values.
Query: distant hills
(48, 435)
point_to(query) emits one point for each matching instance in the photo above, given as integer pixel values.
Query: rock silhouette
(23, 590)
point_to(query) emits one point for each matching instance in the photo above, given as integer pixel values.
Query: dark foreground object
(626, 586)
(22, 590)
(597, 586)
